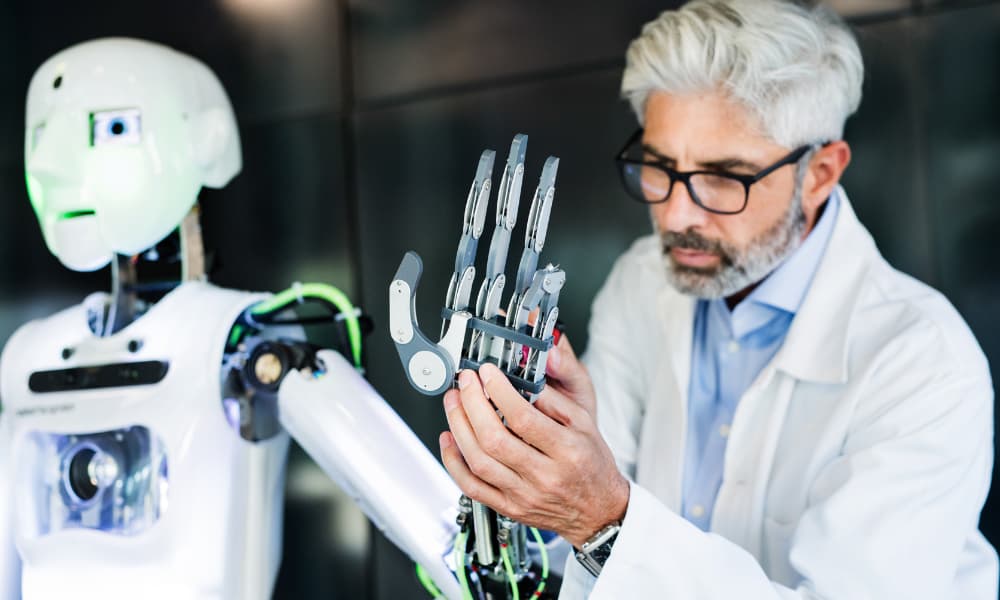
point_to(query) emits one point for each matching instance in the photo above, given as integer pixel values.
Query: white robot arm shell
(367, 449)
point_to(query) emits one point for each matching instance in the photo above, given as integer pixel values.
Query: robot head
(120, 136)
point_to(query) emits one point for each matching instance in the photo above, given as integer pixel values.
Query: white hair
(797, 70)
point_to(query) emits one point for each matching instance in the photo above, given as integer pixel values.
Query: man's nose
(679, 212)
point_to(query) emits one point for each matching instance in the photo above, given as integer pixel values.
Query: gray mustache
(689, 240)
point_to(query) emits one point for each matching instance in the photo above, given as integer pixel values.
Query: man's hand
(551, 468)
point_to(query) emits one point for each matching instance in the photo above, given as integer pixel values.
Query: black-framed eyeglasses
(720, 192)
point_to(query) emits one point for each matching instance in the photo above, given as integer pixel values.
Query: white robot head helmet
(120, 136)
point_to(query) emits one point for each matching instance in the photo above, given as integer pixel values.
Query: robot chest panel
(166, 361)
(101, 423)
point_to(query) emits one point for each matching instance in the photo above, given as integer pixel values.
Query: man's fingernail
(486, 372)
(464, 378)
(444, 439)
(450, 401)
(554, 357)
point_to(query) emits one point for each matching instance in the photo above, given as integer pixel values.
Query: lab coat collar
(816, 346)
(786, 287)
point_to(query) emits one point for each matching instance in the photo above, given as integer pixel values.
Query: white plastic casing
(220, 534)
(364, 446)
(10, 566)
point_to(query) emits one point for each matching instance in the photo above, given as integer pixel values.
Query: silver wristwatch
(597, 549)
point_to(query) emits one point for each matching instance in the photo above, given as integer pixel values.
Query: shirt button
(724, 430)
(733, 347)
(697, 511)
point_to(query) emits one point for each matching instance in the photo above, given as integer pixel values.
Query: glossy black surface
(95, 377)
(959, 63)
(403, 48)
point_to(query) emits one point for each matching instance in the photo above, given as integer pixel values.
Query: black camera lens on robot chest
(81, 483)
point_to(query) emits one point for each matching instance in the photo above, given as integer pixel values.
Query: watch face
(597, 550)
(602, 552)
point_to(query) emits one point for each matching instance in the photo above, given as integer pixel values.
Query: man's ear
(825, 168)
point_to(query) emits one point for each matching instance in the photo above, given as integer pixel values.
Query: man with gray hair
(781, 413)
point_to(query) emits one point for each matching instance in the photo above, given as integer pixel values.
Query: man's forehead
(704, 128)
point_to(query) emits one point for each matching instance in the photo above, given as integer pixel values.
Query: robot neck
(139, 281)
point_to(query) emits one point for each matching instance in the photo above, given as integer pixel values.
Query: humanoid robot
(144, 432)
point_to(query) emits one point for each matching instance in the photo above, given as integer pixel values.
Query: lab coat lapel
(677, 321)
(756, 429)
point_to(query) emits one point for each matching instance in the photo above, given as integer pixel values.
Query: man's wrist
(622, 498)
(614, 514)
(617, 507)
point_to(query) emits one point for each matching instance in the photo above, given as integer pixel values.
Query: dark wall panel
(884, 179)
(10, 96)
(960, 59)
(403, 47)
(284, 218)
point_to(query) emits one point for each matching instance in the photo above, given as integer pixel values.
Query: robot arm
(367, 449)
(321, 399)
(10, 568)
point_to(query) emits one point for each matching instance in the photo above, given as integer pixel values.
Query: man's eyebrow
(729, 164)
(662, 157)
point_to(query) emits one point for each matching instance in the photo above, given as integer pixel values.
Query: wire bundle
(459, 556)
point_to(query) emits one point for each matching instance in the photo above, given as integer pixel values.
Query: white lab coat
(857, 462)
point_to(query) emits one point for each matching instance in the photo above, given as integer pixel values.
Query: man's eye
(116, 127)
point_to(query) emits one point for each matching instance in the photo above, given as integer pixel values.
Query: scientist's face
(719, 255)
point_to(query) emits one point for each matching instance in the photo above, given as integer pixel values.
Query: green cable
(322, 291)
(545, 560)
(428, 583)
(459, 556)
(235, 334)
(510, 572)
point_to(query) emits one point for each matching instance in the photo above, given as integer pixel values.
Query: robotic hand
(493, 548)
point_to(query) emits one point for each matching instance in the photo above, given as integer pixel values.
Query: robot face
(120, 137)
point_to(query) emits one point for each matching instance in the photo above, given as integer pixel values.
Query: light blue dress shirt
(730, 349)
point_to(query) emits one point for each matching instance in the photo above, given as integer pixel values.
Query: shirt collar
(787, 285)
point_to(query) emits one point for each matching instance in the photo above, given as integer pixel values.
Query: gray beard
(738, 268)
